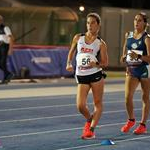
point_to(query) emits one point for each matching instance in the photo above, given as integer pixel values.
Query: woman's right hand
(123, 59)
(69, 67)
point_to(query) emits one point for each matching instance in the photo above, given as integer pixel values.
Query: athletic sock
(132, 120)
(92, 129)
(143, 124)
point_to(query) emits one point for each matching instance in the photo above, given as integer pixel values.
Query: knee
(98, 105)
(81, 107)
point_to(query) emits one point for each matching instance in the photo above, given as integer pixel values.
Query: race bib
(84, 59)
(131, 61)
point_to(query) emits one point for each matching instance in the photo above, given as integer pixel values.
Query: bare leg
(97, 89)
(82, 94)
(130, 87)
(145, 85)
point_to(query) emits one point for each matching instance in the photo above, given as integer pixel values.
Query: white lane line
(39, 118)
(37, 107)
(38, 133)
(42, 98)
(55, 106)
(99, 144)
(55, 131)
(37, 98)
(60, 116)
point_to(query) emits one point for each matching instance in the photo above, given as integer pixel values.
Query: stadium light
(81, 8)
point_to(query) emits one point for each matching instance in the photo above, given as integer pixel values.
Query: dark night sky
(141, 4)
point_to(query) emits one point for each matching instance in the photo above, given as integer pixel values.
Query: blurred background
(43, 30)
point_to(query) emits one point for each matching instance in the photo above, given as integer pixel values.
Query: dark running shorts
(87, 79)
(139, 72)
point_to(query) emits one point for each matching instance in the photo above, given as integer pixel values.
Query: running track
(43, 116)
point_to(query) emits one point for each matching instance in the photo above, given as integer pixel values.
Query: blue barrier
(41, 61)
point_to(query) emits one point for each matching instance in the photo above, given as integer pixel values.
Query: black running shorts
(87, 79)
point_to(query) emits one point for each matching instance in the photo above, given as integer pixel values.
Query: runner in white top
(85, 54)
(90, 59)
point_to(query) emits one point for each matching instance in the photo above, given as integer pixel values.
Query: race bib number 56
(85, 59)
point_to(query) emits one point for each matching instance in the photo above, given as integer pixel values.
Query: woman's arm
(11, 43)
(124, 53)
(103, 55)
(71, 53)
(146, 58)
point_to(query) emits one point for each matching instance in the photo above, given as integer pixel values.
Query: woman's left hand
(93, 64)
(133, 55)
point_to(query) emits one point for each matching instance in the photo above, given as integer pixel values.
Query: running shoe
(141, 129)
(86, 127)
(88, 135)
(129, 124)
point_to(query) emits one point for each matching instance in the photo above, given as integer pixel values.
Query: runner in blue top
(136, 55)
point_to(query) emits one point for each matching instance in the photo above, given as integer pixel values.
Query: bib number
(85, 59)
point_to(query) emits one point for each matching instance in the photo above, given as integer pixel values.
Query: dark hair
(96, 16)
(144, 16)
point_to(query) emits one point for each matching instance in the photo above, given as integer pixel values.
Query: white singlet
(85, 54)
